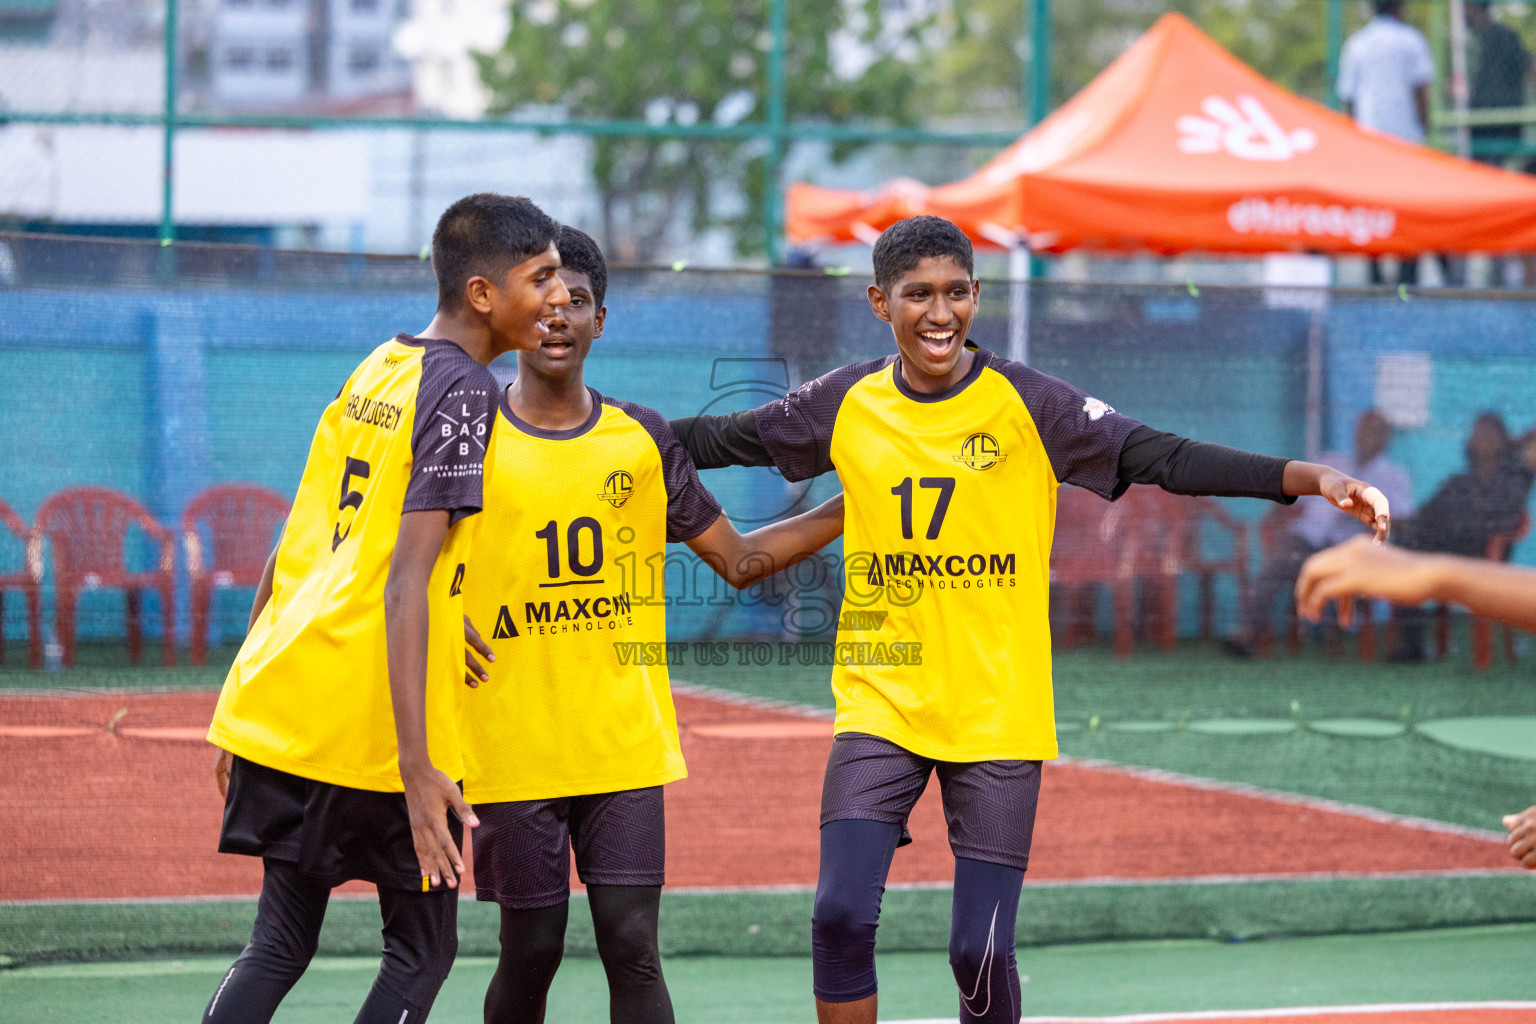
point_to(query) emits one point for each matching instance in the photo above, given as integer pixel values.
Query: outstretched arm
(1362, 569)
(429, 793)
(1181, 466)
(743, 560)
(717, 441)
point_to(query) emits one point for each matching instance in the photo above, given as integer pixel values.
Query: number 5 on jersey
(350, 499)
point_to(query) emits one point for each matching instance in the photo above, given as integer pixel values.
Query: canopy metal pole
(1018, 302)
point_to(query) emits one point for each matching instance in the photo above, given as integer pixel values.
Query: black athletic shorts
(523, 848)
(333, 833)
(989, 805)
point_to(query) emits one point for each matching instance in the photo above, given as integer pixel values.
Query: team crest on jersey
(981, 451)
(1096, 409)
(618, 487)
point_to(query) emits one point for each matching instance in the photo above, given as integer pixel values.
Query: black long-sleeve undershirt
(1176, 464)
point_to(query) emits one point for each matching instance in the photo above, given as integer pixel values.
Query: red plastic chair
(1207, 569)
(1159, 525)
(26, 581)
(1500, 547)
(1272, 531)
(226, 533)
(87, 528)
(1140, 537)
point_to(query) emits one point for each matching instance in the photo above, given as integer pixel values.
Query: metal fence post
(1335, 47)
(168, 158)
(778, 27)
(1039, 61)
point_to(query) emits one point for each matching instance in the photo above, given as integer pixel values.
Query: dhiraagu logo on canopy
(1244, 129)
(1258, 215)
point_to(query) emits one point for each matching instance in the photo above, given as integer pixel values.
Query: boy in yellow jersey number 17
(950, 458)
(338, 724)
(574, 735)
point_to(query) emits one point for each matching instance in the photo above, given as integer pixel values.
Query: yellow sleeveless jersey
(309, 690)
(944, 645)
(578, 701)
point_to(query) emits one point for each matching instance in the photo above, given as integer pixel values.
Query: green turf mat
(1199, 681)
(1358, 728)
(1095, 979)
(1242, 726)
(777, 923)
(1510, 736)
(1407, 775)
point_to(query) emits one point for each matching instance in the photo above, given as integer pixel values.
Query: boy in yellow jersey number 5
(338, 724)
(573, 736)
(950, 458)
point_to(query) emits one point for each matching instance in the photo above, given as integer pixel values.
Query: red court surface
(134, 813)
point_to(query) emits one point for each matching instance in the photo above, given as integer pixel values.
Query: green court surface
(1099, 979)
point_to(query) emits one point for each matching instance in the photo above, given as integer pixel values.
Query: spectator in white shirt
(1318, 525)
(1384, 75)
(1385, 72)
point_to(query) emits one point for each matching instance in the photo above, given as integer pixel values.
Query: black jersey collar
(554, 435)
(977, 365)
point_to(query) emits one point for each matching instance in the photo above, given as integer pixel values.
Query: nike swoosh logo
(983, 976)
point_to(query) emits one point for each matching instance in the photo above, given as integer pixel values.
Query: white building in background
(441, 39)
(310, 53)
(260, 54)
(353, 189)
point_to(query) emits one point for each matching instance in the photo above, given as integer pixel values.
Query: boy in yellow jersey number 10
(338, 724)
(570, 740)
(950, 458)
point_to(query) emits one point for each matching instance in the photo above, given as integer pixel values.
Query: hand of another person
(221, 768)
(474, 672)
(429, 795)
(1522, 836)
(1362, 568)
(1359, 499)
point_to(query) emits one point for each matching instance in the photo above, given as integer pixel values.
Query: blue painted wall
(160, 391)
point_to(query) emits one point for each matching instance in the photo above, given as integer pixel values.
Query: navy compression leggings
(855, 859)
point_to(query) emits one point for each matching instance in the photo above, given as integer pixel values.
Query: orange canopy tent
(1178, 145)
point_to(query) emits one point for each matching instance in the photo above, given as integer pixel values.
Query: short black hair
(580, 253)
(485, 234)
(908, 242)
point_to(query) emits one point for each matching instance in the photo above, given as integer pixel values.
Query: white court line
(1279, 1012)
(1150, 774)
(799, 887)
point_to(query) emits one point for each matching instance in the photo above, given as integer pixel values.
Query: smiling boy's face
(572, 329)
(930, 309)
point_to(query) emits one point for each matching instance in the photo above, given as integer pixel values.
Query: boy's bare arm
(429, 793)
(743, 560)
(263, 590)
(1362, 569)
(224, 760)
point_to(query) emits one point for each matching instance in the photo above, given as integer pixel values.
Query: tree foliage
(696, 61)
(981, 69)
